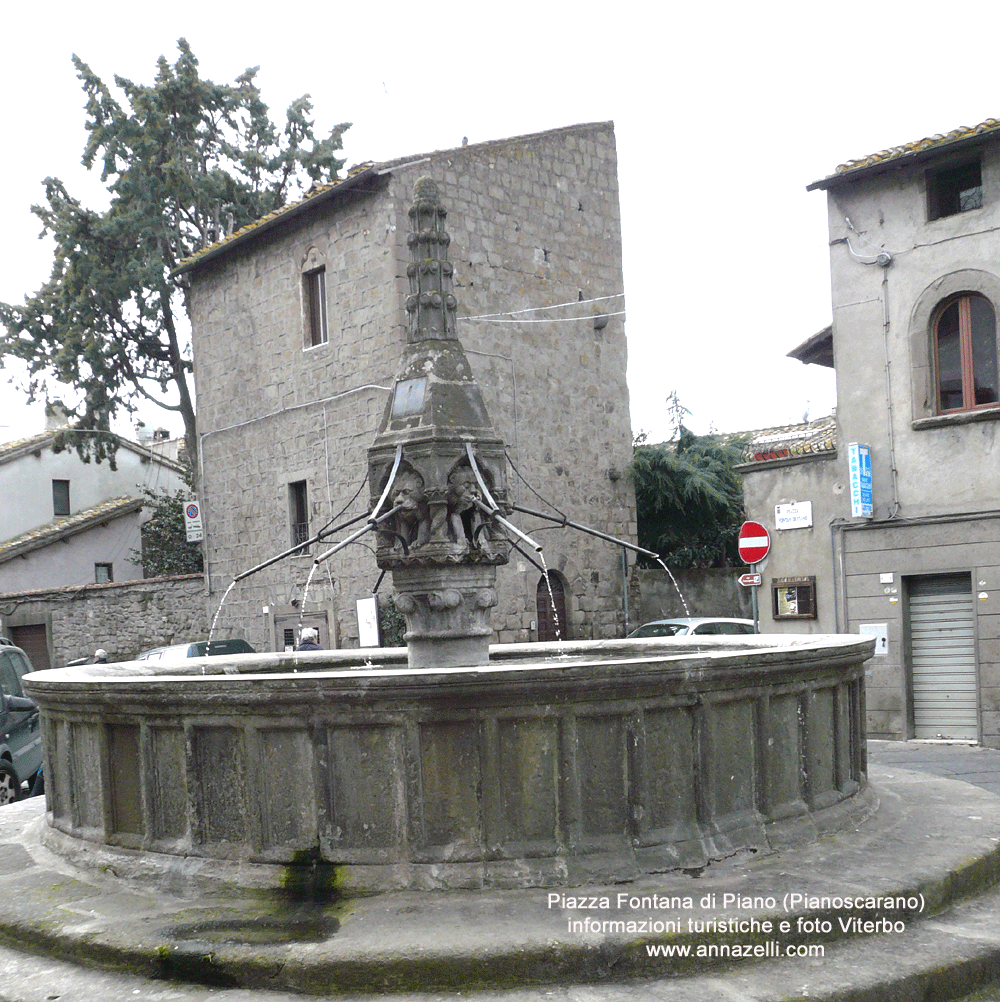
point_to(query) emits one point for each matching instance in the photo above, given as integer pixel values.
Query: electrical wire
(535, 309)
(520, 477)
(548, 320)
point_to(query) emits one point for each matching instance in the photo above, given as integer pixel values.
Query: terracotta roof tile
(61, 528)
(792, 441)
(959, 135)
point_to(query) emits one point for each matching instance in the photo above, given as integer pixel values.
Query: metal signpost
(754, 543)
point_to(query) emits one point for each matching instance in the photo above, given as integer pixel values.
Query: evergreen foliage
(392, 623)
(185, 161)
(689, 500)
(165, 549)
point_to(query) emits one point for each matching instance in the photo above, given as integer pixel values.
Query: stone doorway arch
(548, 628)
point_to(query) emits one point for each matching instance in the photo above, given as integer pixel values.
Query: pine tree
(689, 500)
(185, 161)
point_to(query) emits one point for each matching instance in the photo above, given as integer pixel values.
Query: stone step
(933, 839)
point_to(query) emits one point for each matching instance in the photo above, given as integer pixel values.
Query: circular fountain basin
(347, 772)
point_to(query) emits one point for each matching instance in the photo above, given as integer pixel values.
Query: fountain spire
(438, 462)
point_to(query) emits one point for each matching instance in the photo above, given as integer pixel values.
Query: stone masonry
(124, 617)
(534, 222)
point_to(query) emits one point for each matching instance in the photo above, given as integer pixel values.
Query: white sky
(723, 113)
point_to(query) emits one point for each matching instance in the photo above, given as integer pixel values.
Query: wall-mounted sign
(368, 621)
(793, 598)
(795, 515)
(859, 458)
(192, 522)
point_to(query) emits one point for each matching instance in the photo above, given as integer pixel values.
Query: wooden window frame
(944, 189)
(314, 300)
(966, 357)
(109, 569)
(800, 584)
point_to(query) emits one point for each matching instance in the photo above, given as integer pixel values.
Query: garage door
(943, 651)
(32, 640)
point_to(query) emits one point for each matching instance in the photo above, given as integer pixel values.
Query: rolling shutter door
(943, 651)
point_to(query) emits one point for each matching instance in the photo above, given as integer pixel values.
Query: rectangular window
(314, 292)
(104, 573)
(951, 190)
(793, 598)
(298, 513)
(60, 497)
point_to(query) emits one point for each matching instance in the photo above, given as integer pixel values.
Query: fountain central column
(437, 460)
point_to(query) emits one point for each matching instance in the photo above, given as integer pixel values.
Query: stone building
(299, 325)
(67, 523)
(916, 563)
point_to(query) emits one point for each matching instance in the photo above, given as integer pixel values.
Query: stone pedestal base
(447, 612)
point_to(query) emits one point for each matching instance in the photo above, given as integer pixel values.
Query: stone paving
(968, 763)
(957, 943)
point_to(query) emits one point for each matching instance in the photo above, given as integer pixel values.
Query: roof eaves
(815, 350)
(64, 528)
(897, 157)
(366, 172)
(279, 217)
(10, 451)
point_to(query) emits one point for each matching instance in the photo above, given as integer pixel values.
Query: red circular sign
(754, 542)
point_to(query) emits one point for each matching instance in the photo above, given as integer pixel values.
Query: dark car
(20, 733)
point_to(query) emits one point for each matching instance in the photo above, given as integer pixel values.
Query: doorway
(286, 629)
(551, 610)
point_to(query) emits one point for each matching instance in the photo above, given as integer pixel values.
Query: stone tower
(437, 460)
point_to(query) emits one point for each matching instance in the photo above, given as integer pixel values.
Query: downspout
(885, 260)
(837, 528)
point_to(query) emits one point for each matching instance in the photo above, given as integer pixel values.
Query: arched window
(551, 609)
(965, 348)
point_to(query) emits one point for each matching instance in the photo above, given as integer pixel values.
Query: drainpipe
(885, 260)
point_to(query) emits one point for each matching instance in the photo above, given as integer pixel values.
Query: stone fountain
(457, 764)
(436, 454)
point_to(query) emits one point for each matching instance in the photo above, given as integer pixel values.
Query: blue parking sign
(860, 460)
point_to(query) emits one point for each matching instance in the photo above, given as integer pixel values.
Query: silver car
(705, 626)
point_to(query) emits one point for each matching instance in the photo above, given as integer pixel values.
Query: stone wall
(124, 618)
(711, 591)
(534, 221)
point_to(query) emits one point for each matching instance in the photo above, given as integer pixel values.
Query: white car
(707, 626)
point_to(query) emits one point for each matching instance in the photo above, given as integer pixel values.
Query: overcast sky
(723, 113)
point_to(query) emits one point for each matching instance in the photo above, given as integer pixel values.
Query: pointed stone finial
(431, 306)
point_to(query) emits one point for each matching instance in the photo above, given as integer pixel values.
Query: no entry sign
(754, 542)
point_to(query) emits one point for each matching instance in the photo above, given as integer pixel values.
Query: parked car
(704, 626)
(195, 649)
(20, 734)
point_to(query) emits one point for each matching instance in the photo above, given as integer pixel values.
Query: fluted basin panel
(599, 760)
